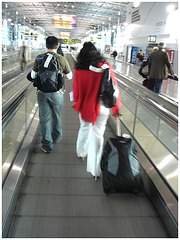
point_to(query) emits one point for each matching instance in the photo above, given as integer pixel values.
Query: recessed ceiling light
(170, 8)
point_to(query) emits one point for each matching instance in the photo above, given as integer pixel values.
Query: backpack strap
(50, 56)
(58, 63)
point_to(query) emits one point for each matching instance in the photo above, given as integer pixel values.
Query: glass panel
(10, 62)
(169, 137)
(165, 162)
(12, 134)
(128, 100)
(147, 117)
(127, 117)
(31, 101)
(157, 138)
(127, 109)
(14, 131)
(10, 91)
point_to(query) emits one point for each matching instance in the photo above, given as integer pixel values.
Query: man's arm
(168, 64)
(66, 68)
(34, 70)
(69, 75)
(33, 74)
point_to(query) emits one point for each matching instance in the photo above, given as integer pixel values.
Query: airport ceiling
(89, 15)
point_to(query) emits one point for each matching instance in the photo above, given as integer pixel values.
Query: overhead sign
(71, 41)
(26, 32)
(65, 35)
(151, 38)
(64, 21)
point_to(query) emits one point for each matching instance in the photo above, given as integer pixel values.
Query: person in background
(51, 103)
(140, 57)
(24, 56)
(143, 70)
(93, 115)
(159, 64)
(114, 54)
(59, 50)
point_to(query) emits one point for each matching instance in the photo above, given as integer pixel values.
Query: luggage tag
(71, 96)
(118, 126)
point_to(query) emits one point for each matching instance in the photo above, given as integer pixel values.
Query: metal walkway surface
(60, 199)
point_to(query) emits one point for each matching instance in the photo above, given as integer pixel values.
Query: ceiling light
(9, 20)
(16, 12)
(136, 4)
(170, 8)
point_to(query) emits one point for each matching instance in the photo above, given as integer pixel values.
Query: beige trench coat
(27, 54)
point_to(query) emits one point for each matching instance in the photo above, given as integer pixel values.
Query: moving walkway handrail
(11, 73)
(167, 103)
(8, 105)
(13, 81)
(9, 109)
(166, 114)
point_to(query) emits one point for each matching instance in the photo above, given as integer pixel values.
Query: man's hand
(175, 76)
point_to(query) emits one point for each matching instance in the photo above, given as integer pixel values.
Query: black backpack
(108, 90)
(49, 77)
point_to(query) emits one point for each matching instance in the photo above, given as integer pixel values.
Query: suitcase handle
(118, 125)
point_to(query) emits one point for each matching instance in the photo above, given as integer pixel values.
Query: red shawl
(86, 84)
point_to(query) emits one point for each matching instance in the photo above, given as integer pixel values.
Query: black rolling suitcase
(121, 171)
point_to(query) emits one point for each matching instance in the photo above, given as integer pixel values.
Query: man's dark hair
(51, 42)
(88, 55)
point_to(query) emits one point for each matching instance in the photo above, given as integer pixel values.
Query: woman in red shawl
(93, 114)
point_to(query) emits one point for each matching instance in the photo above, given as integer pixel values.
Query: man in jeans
(51, 103)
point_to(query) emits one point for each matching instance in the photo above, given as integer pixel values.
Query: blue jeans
(50, 106)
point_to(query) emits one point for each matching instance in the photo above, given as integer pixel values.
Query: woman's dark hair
(51, 42)
(88, 55)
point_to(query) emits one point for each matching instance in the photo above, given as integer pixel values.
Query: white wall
(154, 20)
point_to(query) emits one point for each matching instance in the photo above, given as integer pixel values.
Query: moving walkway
(53, 196)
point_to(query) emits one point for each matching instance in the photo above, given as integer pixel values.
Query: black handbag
(108, 90)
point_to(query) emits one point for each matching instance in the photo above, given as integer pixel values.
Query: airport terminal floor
(53, 196)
